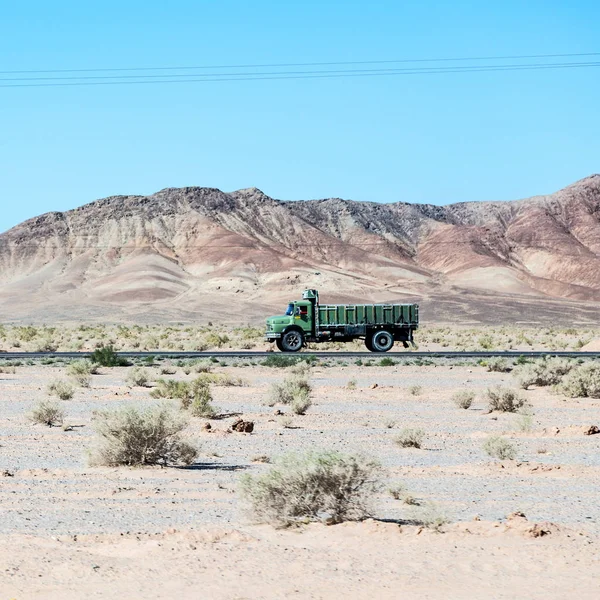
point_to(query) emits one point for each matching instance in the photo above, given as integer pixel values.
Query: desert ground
(448, 520)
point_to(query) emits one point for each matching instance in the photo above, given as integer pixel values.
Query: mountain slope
(194, 253)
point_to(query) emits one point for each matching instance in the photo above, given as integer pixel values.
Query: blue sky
(420, 138)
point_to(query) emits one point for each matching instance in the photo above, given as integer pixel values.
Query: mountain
(194, 254)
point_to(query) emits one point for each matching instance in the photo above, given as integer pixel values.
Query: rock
(591, 430)
(277, 412)
(243, 426)
(375, 385)
(206, 426)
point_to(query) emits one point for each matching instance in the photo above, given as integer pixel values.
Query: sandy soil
(74, 531)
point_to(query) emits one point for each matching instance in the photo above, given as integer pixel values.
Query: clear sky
(419, 138)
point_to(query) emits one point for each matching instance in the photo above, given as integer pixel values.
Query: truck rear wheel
(368, 343)
(292, 341)
(382, 341)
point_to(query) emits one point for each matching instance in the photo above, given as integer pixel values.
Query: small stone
(375, 385)
(591, 430)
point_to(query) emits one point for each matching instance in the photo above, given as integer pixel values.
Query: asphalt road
(248, 354)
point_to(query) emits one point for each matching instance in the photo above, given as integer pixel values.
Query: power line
(282, 76)
(306, 64)
(320, 72)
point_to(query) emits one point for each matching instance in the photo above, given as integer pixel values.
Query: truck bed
(368, 314)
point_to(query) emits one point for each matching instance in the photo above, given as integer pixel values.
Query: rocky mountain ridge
(189, 253)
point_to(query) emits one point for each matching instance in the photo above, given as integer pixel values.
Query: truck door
(304, 317)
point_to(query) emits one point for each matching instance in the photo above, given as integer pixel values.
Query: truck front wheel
(291, 341)
(382, 341)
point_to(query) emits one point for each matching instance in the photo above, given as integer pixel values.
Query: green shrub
(280, 361)
(463, 398)
(311, 487)
(505, 400)
(133, 437)
(386, 361)
(582, 382)
(105, 356)
(61, 389)
(48, 413)
(499, 447)
(410, 438)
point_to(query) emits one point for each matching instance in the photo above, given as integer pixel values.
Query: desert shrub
(280, 361)
(431, 516)
(300, 368)
(486, 342)
(293, 390)
(498, 365)
(80, 371)
(524, 420)
(410, 438)
(582, 382)
(286, 422)
(105, 356)
(351, 385)
(133, 437)
(201, 400)
(61, 389)
(499, 447)
(312, 486)
(463, 398)
(415, 390)
(172, 389)
(216, 340)
(386, 361)
(48, 413)
(138, 376)
(543, 372)
(203, 366)
(167, 370)
(301, 403)
(505, 400)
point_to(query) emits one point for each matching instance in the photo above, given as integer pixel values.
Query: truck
(306, 320)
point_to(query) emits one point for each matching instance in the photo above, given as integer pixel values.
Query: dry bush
(410, 438)
(172, 389)
(301, 368)
(463, 398)
(138, 376)
(351, 385)
(431, 516)
(313, 487)
(61, 389)
(201, 400)
(133, 437)
(505, 400)
(47, 412)
(499, 447)
(81, 371)
(543, 372)
(582, 382)
(498, 365)
(415, 390)
(203, 366)
(293, 390)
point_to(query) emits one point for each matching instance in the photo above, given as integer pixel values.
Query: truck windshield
(290, 309)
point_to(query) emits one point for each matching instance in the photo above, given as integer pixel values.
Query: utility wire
(315, 76)
(307, 64)
(320, 72)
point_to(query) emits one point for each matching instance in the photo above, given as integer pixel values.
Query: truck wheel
(368, 343)
(292, 341)
(382, 341)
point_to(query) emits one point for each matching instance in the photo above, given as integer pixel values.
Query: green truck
(380, 325)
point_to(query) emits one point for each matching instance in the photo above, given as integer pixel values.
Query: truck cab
(291, 330)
